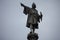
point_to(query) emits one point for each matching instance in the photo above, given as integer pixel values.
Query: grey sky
(13, 21)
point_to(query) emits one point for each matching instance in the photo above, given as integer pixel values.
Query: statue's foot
(31, 31)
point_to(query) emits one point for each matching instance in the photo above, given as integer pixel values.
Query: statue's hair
(34, 5)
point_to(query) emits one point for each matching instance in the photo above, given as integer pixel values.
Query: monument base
(32, 36)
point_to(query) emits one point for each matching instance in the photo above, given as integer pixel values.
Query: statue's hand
(41, 16)
(22, 4)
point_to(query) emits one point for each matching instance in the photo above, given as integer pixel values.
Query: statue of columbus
(33, 16)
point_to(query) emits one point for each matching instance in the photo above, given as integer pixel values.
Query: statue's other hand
(41, 16)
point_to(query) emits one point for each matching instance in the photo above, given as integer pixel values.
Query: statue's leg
(31, 28)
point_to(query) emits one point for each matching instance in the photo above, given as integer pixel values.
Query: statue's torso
(32, 16)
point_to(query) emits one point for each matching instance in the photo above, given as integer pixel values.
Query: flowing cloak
(33, 17)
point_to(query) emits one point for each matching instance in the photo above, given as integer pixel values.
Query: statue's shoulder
(33, 9)
(36, 10)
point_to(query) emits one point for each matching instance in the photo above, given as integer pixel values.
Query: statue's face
(33, 5)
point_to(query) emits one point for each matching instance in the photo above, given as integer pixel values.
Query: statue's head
(33, 5)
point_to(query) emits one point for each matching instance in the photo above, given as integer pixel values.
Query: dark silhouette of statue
(33, 17)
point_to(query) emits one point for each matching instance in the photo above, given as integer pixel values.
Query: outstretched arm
(26, 9)
(23, 5)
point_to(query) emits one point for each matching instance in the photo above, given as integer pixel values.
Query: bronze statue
(33, 17)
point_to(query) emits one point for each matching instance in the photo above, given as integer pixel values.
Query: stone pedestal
(32, 36)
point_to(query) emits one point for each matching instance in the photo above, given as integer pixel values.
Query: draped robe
(33, 17)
